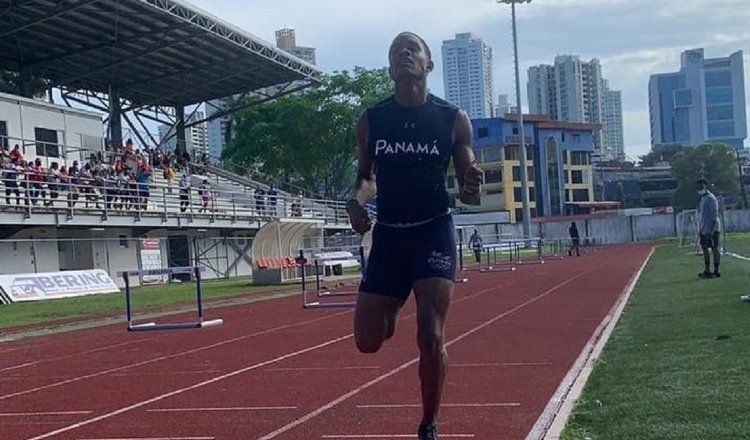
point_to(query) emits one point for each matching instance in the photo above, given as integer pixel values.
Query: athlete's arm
(468, 175)
(365, 188)
(365, 185)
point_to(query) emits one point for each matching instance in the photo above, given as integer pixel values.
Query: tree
(309, 138)
(660, 153)
(711, 161)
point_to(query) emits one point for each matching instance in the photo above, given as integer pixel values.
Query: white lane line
(502, 364)
(166, 373)
(311, 415)
(322, 368)
(45, 413)
(170, 356)
(239, 408)
(444, 405)
(15, 367)
(189, 388)
(153, 438)
(387, 436)
(551, 422)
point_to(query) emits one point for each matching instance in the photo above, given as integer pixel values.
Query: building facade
(703, 102)
(573, 90)
(196, 136)
(558, 161)
(287, 40)
(467, 74)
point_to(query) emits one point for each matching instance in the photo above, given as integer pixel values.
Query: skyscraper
(286, 39)
(467, 74)
(614, 139)
(195, 136)
(574, 91)
(219, 130)
(703, 102)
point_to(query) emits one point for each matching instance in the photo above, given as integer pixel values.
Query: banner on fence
(55, 285)
(151, 259)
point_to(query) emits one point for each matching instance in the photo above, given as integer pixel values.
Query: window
(511, 153)
(576, 177)
(720, 129)
(718, 78)
(46, 142)
(718, 95)
(491, 155)
(483, 132)
(518, 195)
(580, 158)
(580, 195)
(123, 241)
(719, 113)
(500, 191)
(567, 177)
(493, 176)
(516, 174)
(576, 138)
(519, 215)
(3, 134)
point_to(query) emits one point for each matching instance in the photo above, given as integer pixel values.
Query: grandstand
(132, 60)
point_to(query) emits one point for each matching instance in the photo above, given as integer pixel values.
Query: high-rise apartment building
(286, 40)
(573, 90)
(467, 74)
(614, 138)
(703, 102)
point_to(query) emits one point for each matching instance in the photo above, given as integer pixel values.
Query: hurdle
(460, 278)
(320, 291)
(151, 326)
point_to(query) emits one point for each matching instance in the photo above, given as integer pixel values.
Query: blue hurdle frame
(151, 326)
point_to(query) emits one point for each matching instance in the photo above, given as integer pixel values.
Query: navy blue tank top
(412, 148)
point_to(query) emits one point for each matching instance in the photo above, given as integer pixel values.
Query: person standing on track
(575, 239)
(405, 144)
(475, 242)
(710, 230)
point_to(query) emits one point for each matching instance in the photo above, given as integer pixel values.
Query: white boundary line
(502, 364)
(170, 356)
(240, 408)
(154, 438)
(387, 436)
(444, 405)
(311, 415)
(738, 256)
(551, 423)
(189, 388)
(48, 413)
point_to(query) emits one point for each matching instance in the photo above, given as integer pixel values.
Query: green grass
(669, 371)
(144, 298)
(738, 243)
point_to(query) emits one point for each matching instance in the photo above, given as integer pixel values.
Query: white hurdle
(149, 326)
(320, 259)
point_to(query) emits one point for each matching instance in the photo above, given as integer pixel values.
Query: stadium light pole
(521, 138)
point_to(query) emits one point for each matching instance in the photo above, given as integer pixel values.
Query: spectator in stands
(575, 240)
(16, 153)
(169, 174)
(144, 181)
(53, 183)
(129, 149)
(37, 182)
(272, 200)
(205, 193)
(260, 205)
(11, 180)
(184, 192)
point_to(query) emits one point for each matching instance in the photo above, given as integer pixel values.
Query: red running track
(276, 371)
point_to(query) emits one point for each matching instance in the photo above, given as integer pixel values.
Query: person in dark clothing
(405, 144)
(475, 242)
(575, 239)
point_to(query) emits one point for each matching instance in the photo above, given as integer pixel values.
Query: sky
(631, 38)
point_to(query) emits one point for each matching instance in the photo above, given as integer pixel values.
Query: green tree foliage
(660, 153)
(308, 139)
(714, 162)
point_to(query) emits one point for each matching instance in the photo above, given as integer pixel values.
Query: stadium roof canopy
(153, 52)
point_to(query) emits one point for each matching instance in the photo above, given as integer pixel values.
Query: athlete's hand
(470, 190)
(358, 217)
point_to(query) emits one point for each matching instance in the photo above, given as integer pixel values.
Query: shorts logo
(438, 261)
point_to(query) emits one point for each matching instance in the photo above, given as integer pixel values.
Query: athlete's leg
(374, 321)
(716, 248)
(433, 298)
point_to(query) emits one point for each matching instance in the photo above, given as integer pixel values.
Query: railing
(104, 198)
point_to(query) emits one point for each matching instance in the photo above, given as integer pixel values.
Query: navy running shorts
(400, 256)
(710, 240)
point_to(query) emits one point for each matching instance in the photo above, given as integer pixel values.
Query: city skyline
(632, 39)
(467, 74)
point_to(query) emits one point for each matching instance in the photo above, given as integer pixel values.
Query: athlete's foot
(427, 431)
(717, 274)
(705, 274)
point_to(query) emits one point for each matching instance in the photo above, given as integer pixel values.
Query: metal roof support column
(115, 117)
(180, 131)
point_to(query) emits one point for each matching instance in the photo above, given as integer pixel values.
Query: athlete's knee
(368, 344)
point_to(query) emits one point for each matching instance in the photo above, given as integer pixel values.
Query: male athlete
(575, 239)
(710, 230)
(476, 244)
(405, 144)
